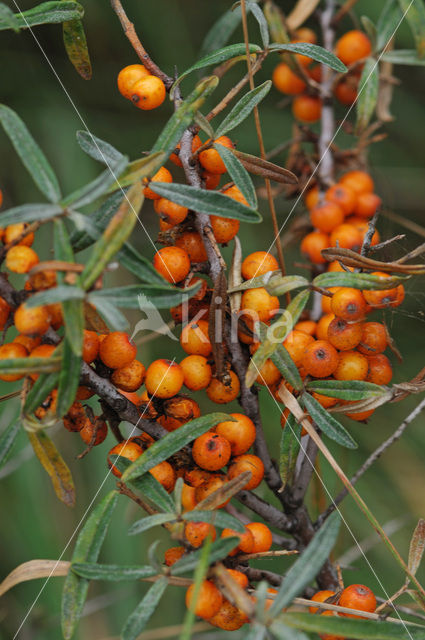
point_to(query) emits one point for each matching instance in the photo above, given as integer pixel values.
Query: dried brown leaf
(352, 259)
(265, 169)
(417, 546)
(299, 14)
(33, 570)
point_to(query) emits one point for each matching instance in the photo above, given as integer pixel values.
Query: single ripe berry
(313, 244)
(344, 336)
(148, 93)
(357, 596)
(130, 377)
(210, 180)
(228, 618)
(164, 378)
(382, 298)
(346, 236)
(224, 229)
(128, 450)
(343, 196)
(358, 181)
(311, 197)
(240, 433)
(15, 231)
(296, 343)
(173, 554)
(90, 346)
(240, 578)
(211, 451)
(42, 351)
(172, 263)
(192, 243)
(306, 326)
(208, 600)
(117, 350)
(257, 264)
(362, 226)
(269, 374)
(320, 359)
(194, 338)
(367, 204)
(215, 483)
(346, 90)
(170, 211)
(323, 324)
(4, 313)
(210, 158)
(307, 108)
(165, 475)
(263, 539)
(246, 540)
(10, 351)
(128, 77)
(247, 462)
(321, 596)
(21, 259)
(374, 339)
(325, 401)
(162, 175)
(352, 365)
(196, 371)
(94, 433)
(236, 194)
(352, 46)
(221, 393)
(348, 304)
(196, 532)
(259, 303)
(380, 370)
(32, 321)
(286, 81)
(327, 216)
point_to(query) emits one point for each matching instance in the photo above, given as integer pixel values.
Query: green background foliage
(34, 523)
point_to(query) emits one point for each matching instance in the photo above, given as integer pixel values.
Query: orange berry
(363, 226)
(192, 243)
(165, 475)
(148, 93)
(215, 483)
(13, 231)
(323, 324)
(90, 346)
(246, 540)
(208, 600)
(374, 339)
(211, 451)
(296, 343)
(174, 157)
(224, 229)
(360, 416)
(352, 46)
(195, 476)
(259, 303)
(286, 81)
(357, 596)
(320, 359)
(343, 196)
(236, 194)
(31, 321)
(196, 371)
(346, 236)
(162, 175)
(128, 450)
(367, 204)
(210, 158)
(27, 342)
(221, 393)
(325, 401)
(311, 198)
(321, 596)
(172, 263)
(352, 365)
(194, 338)
(97, 430)
(130, 377)
(170, 211)
(305, 34)
(211, 180)
(247, 462)
(21, 259)
(380, 370)
(358, 181)
(269, 374)
(263, 539)
(188, 497)
(4, 313)
(240, 434)
(117, 350)
(307, 108)
(8, 351)
(344, 336)
(229, 617)
(173, 554)
(346, 91)
(313, 244)
(306, 326)
(196, 532)
(382, 298)
(128, 77)
(348, 304)
(257, 264)
(164, 378)
(239, 577)
(132, 397)
(327, 216)
(42, 280)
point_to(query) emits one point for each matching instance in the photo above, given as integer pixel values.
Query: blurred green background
(37, 80)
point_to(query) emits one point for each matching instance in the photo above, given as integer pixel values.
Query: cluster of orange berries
(290, 80)
(356, 596)
(146, 91)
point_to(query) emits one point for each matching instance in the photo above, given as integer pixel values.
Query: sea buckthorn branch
(326, 167)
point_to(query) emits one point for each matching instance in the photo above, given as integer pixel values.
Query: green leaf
(276, 333)
(352, 628)
(414, 13)
(282, 632)
(55, 466)
(204, 124)
(357, 280)
(114, 236)
(183, 117)
(387, 23)
(258, 281)
(162, 296)
(109, 312)
(30, 153)
(219, 550)
(7, 17)
(218, 56)
(290, 443)
(90, 228)
(417, 547)
(308, 565)
(243, 108)
(370, 28)
(138, 265)
(69, 376)
(367, 94)
(41, 388)
(25, 366)
(256, 631)
(56, 294)
(87, 549)
(403, 56)
(346, 389)
(98, 149)
(279, 285)
(171, 443)
(203, 201)
(326, 422)
(287, 367)
(144, 610)
(150, 521)
(8, 439)
(98, 187)
(29, 213)
(216, 517)
(262, 22)
(154, 491)
(137, 170)
(74, 39)
(238, 174)
(221, 31)
(44, 13)
(112, 572)
(319, 54)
